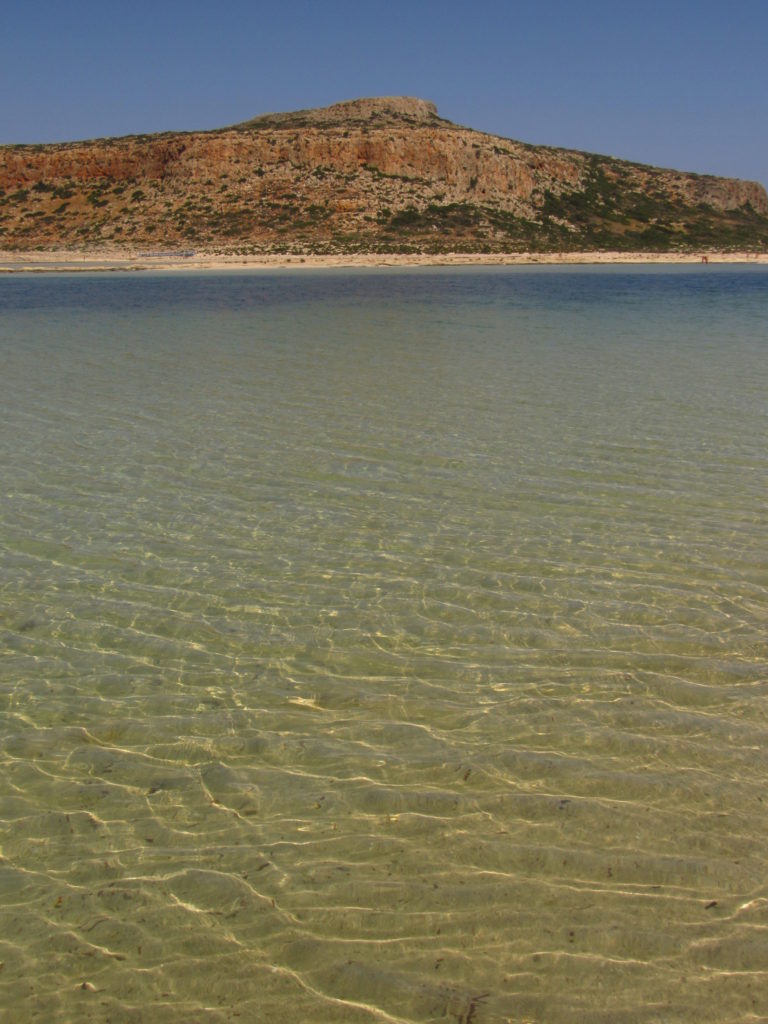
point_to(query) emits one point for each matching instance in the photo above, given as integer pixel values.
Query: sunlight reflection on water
(384, 646)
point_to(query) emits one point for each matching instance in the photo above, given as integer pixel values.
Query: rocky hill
(378, 175)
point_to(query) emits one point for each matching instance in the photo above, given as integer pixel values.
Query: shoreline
(67, 261)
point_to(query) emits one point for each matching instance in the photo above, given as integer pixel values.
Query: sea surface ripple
(384, 647)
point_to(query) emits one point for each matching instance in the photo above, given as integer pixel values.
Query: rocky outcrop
(383, 173)
(349, 112)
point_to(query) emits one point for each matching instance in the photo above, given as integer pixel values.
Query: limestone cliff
(371, 174)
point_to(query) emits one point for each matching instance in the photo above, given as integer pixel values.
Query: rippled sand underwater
(384, 647)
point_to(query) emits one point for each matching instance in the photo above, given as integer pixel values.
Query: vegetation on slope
(370, 175)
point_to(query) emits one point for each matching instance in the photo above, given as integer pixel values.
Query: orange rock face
(369, 173)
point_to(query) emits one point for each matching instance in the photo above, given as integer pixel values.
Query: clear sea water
(384, 647)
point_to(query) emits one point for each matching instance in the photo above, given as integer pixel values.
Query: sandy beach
(112, 260)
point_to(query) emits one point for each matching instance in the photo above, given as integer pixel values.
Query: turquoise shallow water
(386, 646)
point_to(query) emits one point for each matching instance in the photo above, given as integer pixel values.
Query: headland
(374, 179)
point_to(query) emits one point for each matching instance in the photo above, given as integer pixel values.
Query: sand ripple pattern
(384, 647)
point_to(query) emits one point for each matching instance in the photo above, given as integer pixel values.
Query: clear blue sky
(681, 83)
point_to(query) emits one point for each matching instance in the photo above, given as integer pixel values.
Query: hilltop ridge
(353, 112)
(384, 174)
